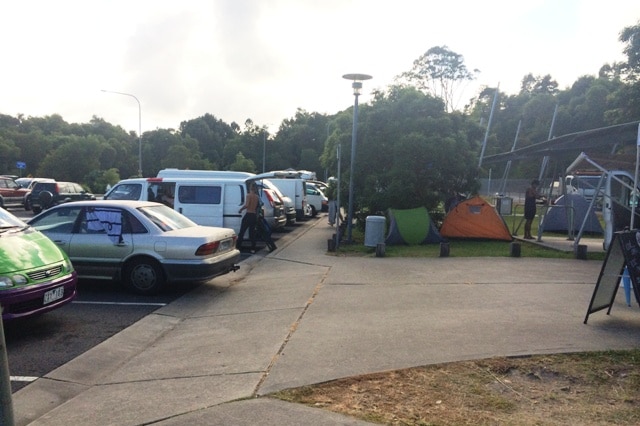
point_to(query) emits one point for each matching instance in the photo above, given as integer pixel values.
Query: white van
(316, 199)
(288, 206)
(294, 188)
(611, 192)
(617, 203)
(210, 202)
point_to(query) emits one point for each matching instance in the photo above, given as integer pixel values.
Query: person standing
(250, 218)
(530, 208)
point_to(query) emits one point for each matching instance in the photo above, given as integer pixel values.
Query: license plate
(225, 245)
(53, 295)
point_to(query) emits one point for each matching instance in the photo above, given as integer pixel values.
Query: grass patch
(595, 388)
(458, 248)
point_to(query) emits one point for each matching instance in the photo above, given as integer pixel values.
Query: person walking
(530, 208)
(250, 218)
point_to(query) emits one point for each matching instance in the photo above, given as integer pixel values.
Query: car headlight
(12, 281)
(67, 265)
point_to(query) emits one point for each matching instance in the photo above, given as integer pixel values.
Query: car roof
(125, 203)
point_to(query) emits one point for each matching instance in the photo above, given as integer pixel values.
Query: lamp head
(357, 81)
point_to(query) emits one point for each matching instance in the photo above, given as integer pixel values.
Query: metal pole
(545, 159)
(634, 192)
(6, 405)
(264, 150)
(139, 127)
(338, 200)
(486, 135)
(354, 134)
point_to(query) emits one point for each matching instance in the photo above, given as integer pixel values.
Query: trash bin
(374, 230)
(504, 205)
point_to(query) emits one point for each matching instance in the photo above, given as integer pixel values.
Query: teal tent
(411, 226)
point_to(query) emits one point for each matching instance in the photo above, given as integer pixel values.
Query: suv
(50, 193)
(11, 193)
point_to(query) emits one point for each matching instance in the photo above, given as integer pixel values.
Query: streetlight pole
(357, 86)
(139, 127)
(264, 149)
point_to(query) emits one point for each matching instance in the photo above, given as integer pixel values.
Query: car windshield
(166, 218)
(9, 221)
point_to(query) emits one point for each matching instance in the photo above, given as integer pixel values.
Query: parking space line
(81, 302)
(23, 378)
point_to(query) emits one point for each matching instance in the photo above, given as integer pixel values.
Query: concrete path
(299, 316)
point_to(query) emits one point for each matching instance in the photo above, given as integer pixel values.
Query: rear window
(200, 194)
(127, 191)
(45, 186)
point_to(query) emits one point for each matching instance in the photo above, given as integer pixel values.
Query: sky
(265, 59)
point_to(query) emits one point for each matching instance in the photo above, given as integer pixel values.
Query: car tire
(27, 203)
(314, 212)
(37, 209)
(46, 199)
(144, 276)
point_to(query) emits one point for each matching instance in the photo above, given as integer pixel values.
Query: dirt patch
(585, 388)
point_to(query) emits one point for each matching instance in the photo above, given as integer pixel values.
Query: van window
(200, 194)
(127, 191)
(620, 193)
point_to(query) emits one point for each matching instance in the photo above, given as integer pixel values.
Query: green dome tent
(411, 227)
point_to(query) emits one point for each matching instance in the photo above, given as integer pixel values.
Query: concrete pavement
(299, 316)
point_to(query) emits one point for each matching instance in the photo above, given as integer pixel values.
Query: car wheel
(144, 276)
(46, 199)
(37, 210)
(314, 212)
(27, 203)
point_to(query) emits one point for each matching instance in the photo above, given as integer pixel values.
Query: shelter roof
(598, 143)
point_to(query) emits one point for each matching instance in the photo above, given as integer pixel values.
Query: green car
(35, 275)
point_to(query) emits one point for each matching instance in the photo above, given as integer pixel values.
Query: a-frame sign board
(624, 250)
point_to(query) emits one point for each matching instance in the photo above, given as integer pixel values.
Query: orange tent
(475, 218)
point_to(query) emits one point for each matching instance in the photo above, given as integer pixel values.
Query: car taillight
(208, 248)
(269, 197)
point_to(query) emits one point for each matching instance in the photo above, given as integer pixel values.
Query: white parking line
(118, 303)
(23, 378)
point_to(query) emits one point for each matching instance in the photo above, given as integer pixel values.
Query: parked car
(142, 244)
(35, 275)
(11, 193)
(29, 183)
(316, 199)
(50, 193)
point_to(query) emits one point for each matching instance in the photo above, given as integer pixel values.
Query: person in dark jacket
(530, 198)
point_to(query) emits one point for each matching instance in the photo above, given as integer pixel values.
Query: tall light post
(264, 149)
(139, 127)
(357, 86)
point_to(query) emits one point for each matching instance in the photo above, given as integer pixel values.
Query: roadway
(39, 345)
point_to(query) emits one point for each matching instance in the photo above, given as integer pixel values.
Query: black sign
(624, 250)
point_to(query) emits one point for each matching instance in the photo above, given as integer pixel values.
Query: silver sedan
(143, 244)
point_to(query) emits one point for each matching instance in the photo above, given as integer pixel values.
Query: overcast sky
(264, 59)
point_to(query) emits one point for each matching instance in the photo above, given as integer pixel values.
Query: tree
(242, 164)
(538, 85)
(631, 36)
(410, 152)
(440, 72)
(212, 135)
